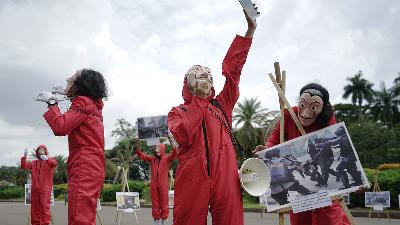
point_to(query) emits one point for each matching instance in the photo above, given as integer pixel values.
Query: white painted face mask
(70, 83)
(199, 80)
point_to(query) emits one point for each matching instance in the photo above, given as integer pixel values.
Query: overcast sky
(143, 48)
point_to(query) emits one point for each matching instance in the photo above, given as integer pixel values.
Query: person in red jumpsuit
(314, 112)
(207, 177)
(83, 123)
(159, 166)
(42, 183)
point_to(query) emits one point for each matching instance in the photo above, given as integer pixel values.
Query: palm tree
(252, 119)
(385, 106)
(60, 174)
(359, 88)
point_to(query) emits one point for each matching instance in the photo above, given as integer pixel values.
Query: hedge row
(13, 192)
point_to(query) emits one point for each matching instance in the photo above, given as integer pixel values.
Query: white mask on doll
(199, 80)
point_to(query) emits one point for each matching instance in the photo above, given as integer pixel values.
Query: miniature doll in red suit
(42, 183)
(159, 166)
(207, 177)
(83, 123)
(314, 112)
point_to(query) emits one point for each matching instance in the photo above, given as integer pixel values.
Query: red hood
(187, 95)
(89, 105)
(41, 146)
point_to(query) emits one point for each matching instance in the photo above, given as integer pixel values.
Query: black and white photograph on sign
(346, 198)
(28, 189)
(28, 194)
(381, 198)
(127, 201)
(324, 160)
(171, 199)
(152, 127)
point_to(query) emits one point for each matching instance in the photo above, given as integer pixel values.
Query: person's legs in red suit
(35, 208)
(191, 207)
(331, 215)
(45, 206)
(155, 202)
(302, 218)
(163, 195)
(82, 199)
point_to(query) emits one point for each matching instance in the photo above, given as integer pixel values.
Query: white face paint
(199, 80)
(309, 108)
(157, 150)
(70, 83)
(42, 151)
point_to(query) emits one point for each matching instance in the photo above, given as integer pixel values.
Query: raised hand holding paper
(250, 8)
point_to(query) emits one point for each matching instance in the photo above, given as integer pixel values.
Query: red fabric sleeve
(143, 156)
(274, 138)
(173, 155)
(63, 124)
(52, 162)
(25, 165)
(183, 124)
(232, 66)
(332, 120)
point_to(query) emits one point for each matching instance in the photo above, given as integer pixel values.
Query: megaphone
(254, 176)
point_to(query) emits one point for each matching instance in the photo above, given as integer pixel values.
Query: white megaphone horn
(254, 176)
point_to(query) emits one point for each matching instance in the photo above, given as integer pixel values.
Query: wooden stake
(292, 114)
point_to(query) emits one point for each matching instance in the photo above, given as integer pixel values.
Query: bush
(109, 190)
(60, 189)
(14, 192)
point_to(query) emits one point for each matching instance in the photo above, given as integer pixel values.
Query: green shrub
(14, 192)
(109, 190)
(389, 180)
(60, 189)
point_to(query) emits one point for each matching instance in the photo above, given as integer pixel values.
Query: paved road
(16, 214)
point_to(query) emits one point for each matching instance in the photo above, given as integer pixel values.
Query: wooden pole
(291, 112)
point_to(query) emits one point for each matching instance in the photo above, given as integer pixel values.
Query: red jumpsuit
(159, 181)
(331, 215)
(42, 182)
(207, 177)
(83, 123)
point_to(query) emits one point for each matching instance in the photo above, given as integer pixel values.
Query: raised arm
(172, 155)
(183, 122)
(25, 165)
(143, 156)
(52, 162)
(63, 124)
(232, 67)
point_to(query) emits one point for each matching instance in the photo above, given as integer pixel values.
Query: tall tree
(359, 88)
(60, 173)
(385, 106)
(250, 123)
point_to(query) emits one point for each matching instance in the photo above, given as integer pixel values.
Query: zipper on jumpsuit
(203, 125)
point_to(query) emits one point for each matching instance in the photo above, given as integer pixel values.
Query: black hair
(91, 83)
(327, 110)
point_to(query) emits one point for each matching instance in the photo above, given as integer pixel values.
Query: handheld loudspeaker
(254, 176)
